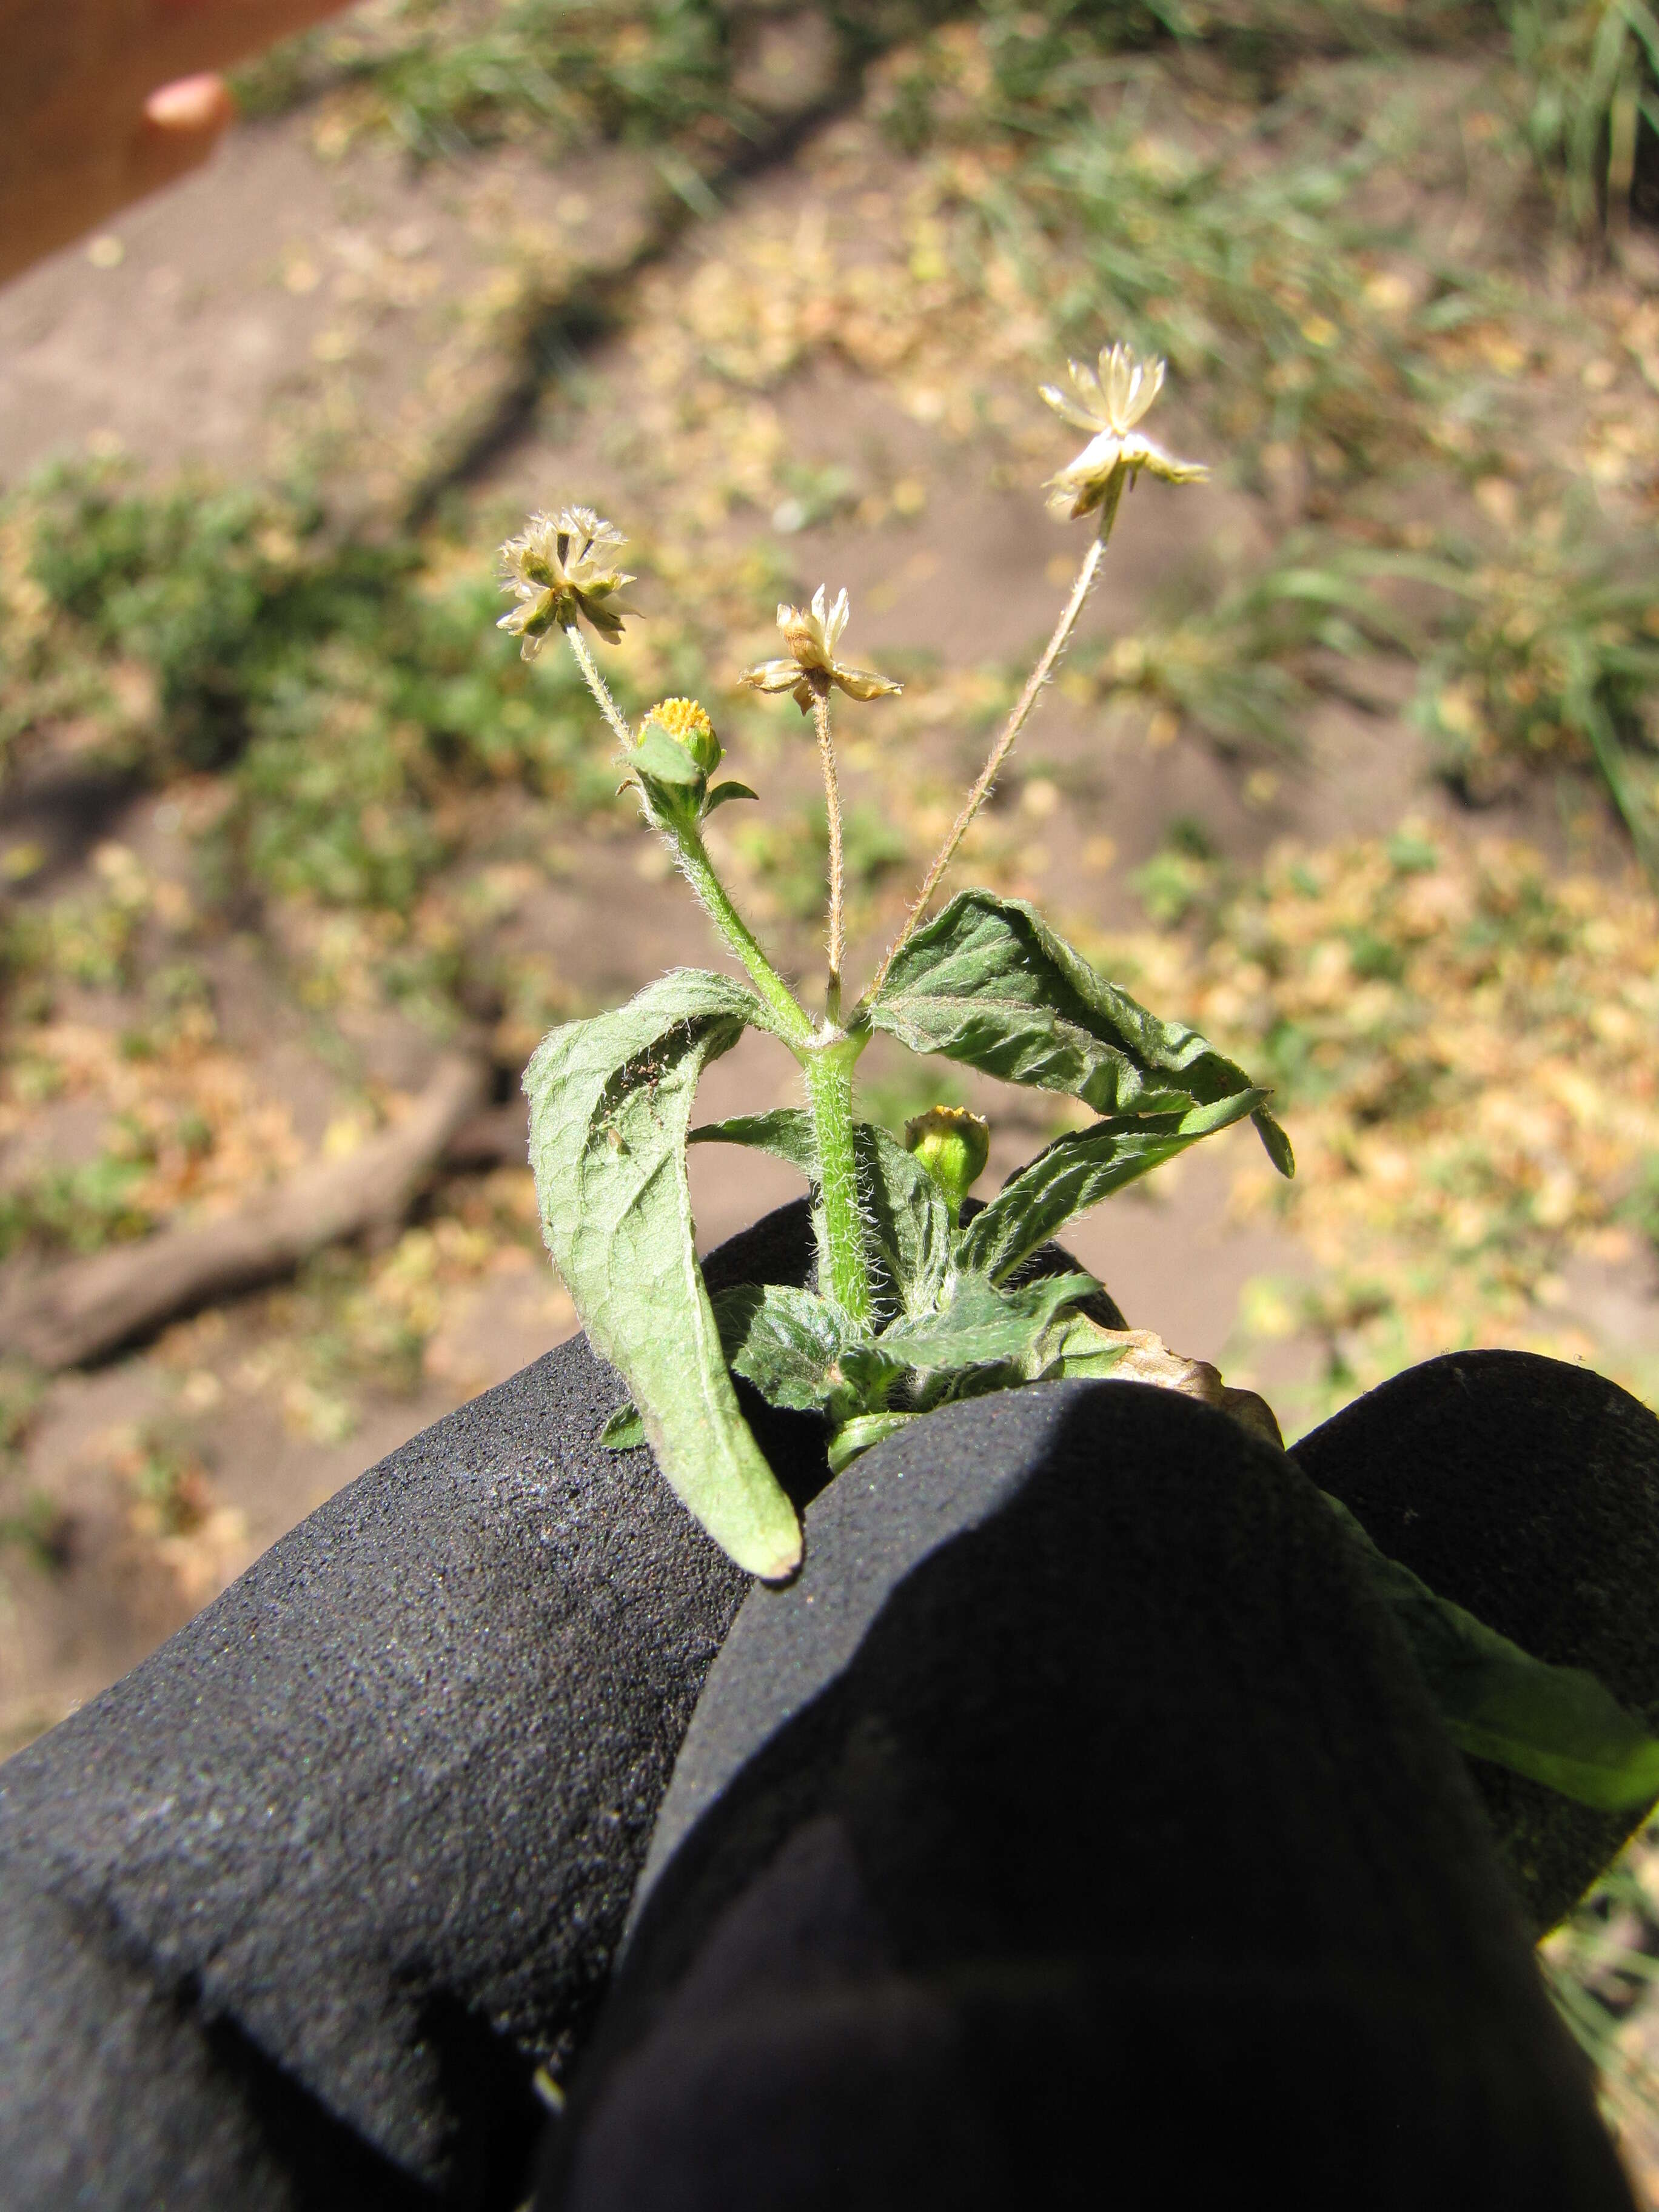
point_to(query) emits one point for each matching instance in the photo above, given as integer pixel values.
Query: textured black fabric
(360, 1836)
(1528, 1491)
(1075, 1829)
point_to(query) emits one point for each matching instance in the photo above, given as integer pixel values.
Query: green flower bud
(689, 724)
(953, 1146)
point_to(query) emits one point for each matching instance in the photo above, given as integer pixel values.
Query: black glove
(1075, 1830)
(290, 1912)
(1527, 1491)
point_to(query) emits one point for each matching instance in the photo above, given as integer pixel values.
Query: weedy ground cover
(1397, 336)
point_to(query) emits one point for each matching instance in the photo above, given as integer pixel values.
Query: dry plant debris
(1467, 1046)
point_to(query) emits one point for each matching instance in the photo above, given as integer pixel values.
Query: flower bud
(953, 1146)
(689, 724)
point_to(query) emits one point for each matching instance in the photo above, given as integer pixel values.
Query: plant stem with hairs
(597, 684)
(1048, 662)
(837, 933)
(843, 1266)
(794, 1025)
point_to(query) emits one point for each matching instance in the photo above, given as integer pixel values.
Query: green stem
(597, 684)
(829, 1099)
(793, 1025)
(837, 931)
(1004, 744)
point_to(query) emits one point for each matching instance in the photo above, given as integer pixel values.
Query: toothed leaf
(785, 1342)
(1080, 1168)
(984, 1327)
(988, 982)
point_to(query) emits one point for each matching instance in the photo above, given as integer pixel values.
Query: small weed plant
(920, 1299)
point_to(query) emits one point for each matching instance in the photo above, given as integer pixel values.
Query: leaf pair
(799, 1351)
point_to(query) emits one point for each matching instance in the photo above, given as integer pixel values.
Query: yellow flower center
(683, 719)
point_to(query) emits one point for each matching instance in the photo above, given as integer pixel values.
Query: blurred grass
(343, 684)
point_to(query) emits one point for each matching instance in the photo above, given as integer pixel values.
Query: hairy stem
(597, 684)
(1048, 661)
(837, 942)
(794, 1023)
(843, 1266)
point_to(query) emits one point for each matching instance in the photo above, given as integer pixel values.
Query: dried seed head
(562, 567)
(1108, 403)
(811, 635)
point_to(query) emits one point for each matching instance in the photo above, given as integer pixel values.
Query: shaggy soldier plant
(918, 1301)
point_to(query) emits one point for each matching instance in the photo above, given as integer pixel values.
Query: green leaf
(988, 982)
(625, 1430)
(787, 1134)
(1278, 1145)
(785, 1342)
(859, 1434)
(1080, 1168)
(1556, 1725)
(905, 1217)
(610, 1100)
(723, 793)
(984, 1327)
(1079, 1350)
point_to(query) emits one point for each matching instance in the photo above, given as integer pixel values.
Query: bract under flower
(563, 567)
(1109, 402)
(811, 635)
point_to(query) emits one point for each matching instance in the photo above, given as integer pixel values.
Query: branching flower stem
(838, 934)
(827, 1054)
(794, 1025)
(597, 684)
(1048, 662)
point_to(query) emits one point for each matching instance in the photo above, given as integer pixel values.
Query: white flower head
(811, 635)
(561, 568)
(1108, 404)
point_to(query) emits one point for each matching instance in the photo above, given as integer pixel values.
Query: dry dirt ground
(223, 323)
(282, 305)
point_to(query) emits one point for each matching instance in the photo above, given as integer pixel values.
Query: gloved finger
(1527, 1490)
(1077, 1824)
(365, 1831)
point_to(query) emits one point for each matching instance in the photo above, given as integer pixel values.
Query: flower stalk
(794, 1024)
(597, 684)
(1034, 682)
(837, 933)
